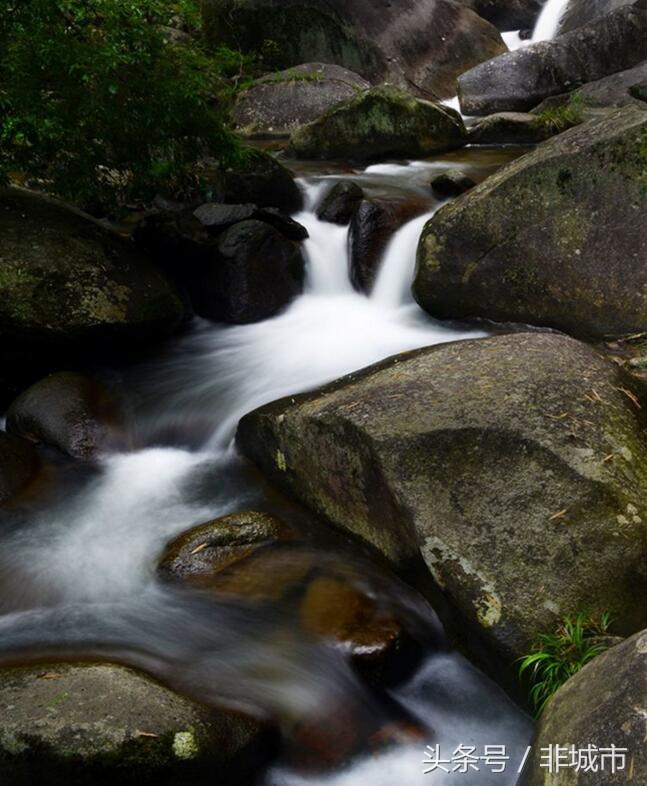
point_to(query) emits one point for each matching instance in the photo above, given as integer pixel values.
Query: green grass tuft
(558, 656)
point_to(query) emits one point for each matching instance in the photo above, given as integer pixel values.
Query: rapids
(77, 569)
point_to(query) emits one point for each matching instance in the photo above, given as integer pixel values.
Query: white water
(548, 21)
(80, 575)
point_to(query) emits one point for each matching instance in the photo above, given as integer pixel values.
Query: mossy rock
(557, 238)
(515, 466)
(602, 705)
(68, 284)
(103, 724)
(411, 43)
(380, 123)
(196, 555)
(520, 128)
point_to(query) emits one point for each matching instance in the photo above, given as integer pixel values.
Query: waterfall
(549, 19)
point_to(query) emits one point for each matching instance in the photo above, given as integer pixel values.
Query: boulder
(452, 183)
(216, 217)
(557, 238)
(515, 465)
(254, 273)
(257, 178)
(104, 724)
(581, 12)
(371, 229)
(416, 44)
(70, 286)
(19, 464)
(639, 91)
(380, 123)
(612, 91)
(519, 128)
(69, 411)
(278, 103)
(519, 80)
(204, 550)
(602, 705)
(507, 14)
(340, 203)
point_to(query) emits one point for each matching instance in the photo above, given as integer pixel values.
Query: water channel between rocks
(77, 572)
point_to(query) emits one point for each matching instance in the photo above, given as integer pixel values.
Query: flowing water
(77, 565)
(548, 21)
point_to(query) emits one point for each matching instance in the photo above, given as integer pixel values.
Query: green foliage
(558, 656)
(101, 106)
(561, 118)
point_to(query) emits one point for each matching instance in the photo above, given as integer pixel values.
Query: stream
(77, 565)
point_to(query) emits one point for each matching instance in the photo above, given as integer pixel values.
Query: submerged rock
(69, 411)
(602, 705)
(519, 80)
(379, 123)
(19, 464)
(278, 103)
(424, 44)
(372, 227)
(451, 183)
(253, 273)
(518, 128)
(340, 203)
(557, 238)
(104, 724)
(204, 550)
(436, 452)
(70, 286)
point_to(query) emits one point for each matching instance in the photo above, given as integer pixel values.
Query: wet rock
(519, 80)
(258, 178)
(216, 217)
(287, 226)
(340, 203)
(105, 724)
(582, 12)
(507, 14)
(451, 183)
(278, 103)
(602, 705)
(71, 412)
(612, 91)
(334, 610)
(556, 238)
(198, 554)
(371, 229)
(254, 273)
(517, 128)
(435, 452)
(379, 123)
(69, 286)
(419, 44)
(19, 464)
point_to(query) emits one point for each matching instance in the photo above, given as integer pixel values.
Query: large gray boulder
(581, 12)
(379, 123)
(68, 284)
(519, 80)
(602, 705)
(416, 44)
(277, 104)
(557, 238)
(103, 724)
(516, 466)
(607, 93)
